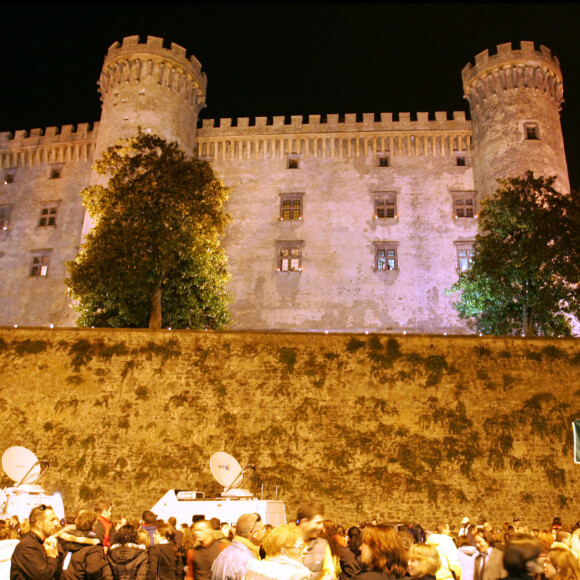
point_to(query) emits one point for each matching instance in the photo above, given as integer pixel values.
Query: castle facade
(354, 222)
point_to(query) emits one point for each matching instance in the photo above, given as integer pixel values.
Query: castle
(352, 223)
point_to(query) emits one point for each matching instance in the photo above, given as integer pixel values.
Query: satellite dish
(21, 465)
(229, 473)
(224, 468)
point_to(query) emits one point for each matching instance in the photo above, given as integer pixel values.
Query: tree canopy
(153, 257)
(525, 275)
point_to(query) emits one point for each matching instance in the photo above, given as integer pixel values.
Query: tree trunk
(155, 310)
(528, 321)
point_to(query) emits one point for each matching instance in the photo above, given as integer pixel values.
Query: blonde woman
(562, 564)
(424, 561)
(285, 551)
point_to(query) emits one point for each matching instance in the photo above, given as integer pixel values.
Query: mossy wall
(412, 427)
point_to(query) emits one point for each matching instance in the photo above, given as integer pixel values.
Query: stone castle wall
(413, 427)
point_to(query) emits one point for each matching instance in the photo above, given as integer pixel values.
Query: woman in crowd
(285, 551)
(562, 564)
(382, 553)
(423, 561)
(350, 563)
(7, 544)
(126, 558)
(165, 562)
(523, 557)
(84, 556)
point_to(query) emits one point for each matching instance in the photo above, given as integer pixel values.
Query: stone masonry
(405, 428)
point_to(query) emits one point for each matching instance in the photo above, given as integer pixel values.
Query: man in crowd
(104, 529)
(232, 563)
(489, 562)
(201, 558)
(318, 559)
(445, 546)
(36, 556)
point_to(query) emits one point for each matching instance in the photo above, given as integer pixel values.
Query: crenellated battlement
(335, 136)
(334, 123)
(68, 143)
(510, 68)
(135, 62)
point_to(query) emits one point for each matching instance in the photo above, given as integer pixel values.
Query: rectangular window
(386, 256)
(531, 131)
(384, 160)
(289, 256)
(292, 162)
(5, 211)
(40, 262)
(464, 205)
(460, 160)
(464, 255)
(56, 171)
(386, 205)
(291, 206)
(48, 215)
(9, 176)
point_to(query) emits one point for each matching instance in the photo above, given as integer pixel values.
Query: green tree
(525, 275)
(154, 254)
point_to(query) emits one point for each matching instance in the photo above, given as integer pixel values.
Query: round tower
(146, 85)
(515, 98)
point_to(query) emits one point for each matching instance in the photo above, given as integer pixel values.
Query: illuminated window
(386, 205)
(9, 176)
(292, 162)
(5, 211)
(291, 207)
(289, 256)
(39, 264)
(386, 256)
(460, 159)
(48, 215)
(56, 171)
(464, 205)
(464, 255)
(384, 160)
(531, 131)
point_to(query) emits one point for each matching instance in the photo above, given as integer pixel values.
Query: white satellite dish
(224, 468)
(21, 465)
(229, 473)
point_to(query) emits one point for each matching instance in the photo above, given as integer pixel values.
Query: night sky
(280, 59)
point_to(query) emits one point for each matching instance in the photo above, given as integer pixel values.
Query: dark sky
(280, 59)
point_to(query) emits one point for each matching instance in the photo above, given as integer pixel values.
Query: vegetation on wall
(390, 420)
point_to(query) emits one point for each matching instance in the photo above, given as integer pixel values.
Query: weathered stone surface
(413, 427)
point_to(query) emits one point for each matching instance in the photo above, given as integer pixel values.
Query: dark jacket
(84, 558)
(30, 562)
(164, 563)
(373, 575)
(105, 531)
(349, 563)
(126, 562)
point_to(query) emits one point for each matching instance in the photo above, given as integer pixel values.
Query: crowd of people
(96, 546)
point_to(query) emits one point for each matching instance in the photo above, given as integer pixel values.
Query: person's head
(310, 520)
(462, 541)
(522, 554)
(215, 523)
(562, 564)
(564, 538)
(442, 528)
(547, 538)
(197, 518)
(465, 521)
(164, 532)
(127, 534)
(43, 521)
(382, 550)
(104, 508)
(335, 535)
(354, 539)
(85, 521)
(225, 528)
(203, 532)
(148, 518)
(172, 522)
(251, 527)
(143, 537)
(5, 533)
(285, 540)
(423, 561)
(483, 540)
(487, 527)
